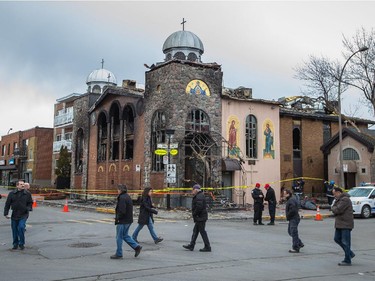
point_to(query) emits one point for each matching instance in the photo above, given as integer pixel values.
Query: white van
(363, 200)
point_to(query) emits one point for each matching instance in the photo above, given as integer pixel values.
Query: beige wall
(265, 170)
(363, 163)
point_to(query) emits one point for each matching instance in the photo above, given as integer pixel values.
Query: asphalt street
(77, 246)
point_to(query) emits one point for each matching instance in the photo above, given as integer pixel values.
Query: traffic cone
(35, 204)
(66, 209)
(318, 216)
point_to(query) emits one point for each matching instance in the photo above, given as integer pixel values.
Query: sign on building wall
(233, 133)
(268, 139)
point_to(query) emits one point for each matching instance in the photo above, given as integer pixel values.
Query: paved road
(77, 246)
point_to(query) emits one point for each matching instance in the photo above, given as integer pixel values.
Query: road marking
(77, 221)
(100, 221)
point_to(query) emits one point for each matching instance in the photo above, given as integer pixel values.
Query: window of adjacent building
(128, 145)
(58, 137)
(251, 136)
(350, 154)
(198, 122)
(326, 131)
(68, 136)
(296, 139)
(79, 152)
(8, 148)
(3, 150)
(102, 137)
(30, 154)
(159, 122)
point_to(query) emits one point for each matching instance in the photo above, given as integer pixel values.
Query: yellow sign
(160, 152)
(173, 152)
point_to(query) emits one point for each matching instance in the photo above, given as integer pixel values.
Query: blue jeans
(293, 232)
(18, 231)
(123, 235)
(343, 238)
(150, 226)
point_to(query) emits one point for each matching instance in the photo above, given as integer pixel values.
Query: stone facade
(166, 92)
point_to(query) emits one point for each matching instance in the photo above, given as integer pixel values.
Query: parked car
(363, 200)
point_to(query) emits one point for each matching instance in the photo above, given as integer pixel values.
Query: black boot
(189, 247)
(205, 249)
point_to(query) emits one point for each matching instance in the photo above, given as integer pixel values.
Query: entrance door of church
(349, 180)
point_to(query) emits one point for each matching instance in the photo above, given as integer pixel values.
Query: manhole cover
(84, 245)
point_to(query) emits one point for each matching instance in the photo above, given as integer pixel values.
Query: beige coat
(343, 210)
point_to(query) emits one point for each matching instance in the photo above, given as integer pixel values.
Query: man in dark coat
(292, 215)
(258, 197)
(271, 199)
(200, 216)
(21, 203)
(123, 221)
(146, 212)
(344, 223)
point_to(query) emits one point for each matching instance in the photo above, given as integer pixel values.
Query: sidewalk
(178, 213)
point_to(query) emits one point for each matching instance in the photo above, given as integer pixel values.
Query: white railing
(65, 118)
(58, 144)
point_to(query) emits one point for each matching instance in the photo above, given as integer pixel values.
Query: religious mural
(268, 132)
(197, 87)
(233, 125)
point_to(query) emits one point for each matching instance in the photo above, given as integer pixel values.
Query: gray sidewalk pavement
(179, 213)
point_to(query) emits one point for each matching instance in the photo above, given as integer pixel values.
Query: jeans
(18, 231)
(293, 232)
(343, 238)
(122, 231)
(272, 211)
(150, 226)
(200, 227)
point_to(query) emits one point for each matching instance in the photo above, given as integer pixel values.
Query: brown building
(304, 128)
(27, 155)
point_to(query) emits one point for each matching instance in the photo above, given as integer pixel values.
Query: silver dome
(183, 40)
(101, 75)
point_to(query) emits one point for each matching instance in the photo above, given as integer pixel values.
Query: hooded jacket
(343, 211)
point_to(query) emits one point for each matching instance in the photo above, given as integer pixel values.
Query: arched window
(102, 137)
(251, 136)
(198, 121)
(79, 151)
(180, 56)
(192, 57)
(96, 89)
(114, 138)
(350, 154)
(158, 126)
(128, 144)
(296, 143)
(168, 57)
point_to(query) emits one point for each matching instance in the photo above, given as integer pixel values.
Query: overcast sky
(47, 49)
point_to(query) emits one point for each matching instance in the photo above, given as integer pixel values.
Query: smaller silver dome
(181, 40)
(101, 75)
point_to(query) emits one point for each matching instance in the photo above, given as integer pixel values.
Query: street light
(342, 180)
(10, 129)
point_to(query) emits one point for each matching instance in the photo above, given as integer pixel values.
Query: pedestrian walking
(344, 223)
(200, 216)
(292, 216)
(258, 197)
(21, 203)
(146, 212)
(123, 221)
(271, 199)
(27, 189)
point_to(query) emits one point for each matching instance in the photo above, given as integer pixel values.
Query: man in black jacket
(21, 203)
(258, 197)
(271, 199)
(123, 221)
(292, 215)
(200, 216)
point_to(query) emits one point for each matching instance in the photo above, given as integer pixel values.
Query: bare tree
(320, 76)
(361, 69)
